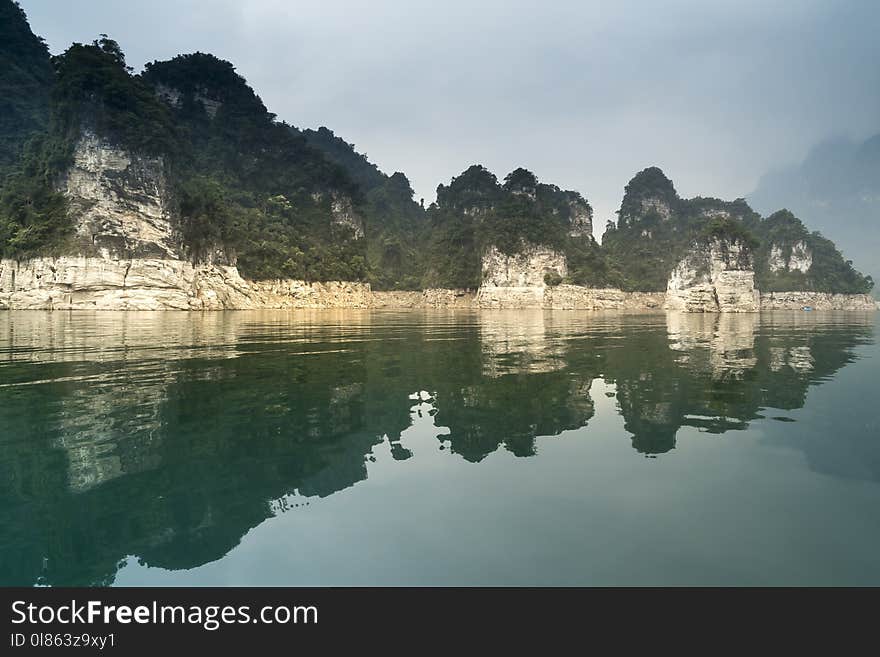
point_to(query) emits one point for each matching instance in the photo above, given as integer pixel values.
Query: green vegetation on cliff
(781, 236)
(25, 83)
(250, 186)
(394, 224)
(475, 212)
(32, 215)
(91, 89)
(281, 202)
(656, 228)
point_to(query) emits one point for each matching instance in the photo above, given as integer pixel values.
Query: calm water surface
(380, 448)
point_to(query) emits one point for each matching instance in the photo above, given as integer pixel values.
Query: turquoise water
(440, 448)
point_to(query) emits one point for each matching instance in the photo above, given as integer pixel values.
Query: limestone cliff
(526, 268)
(797, 257)
(518, 279)
(83, 283)
(130, 252)
(818, 301)
(580, 217)
(716, 275)
(342, 212)
(119, 201)
(174, 186)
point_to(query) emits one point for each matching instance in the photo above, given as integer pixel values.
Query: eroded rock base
(83, 283)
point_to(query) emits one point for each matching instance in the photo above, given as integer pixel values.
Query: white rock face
(577, 297)
(429, 298)
(210, 104)
(714, 277)
(657, 206)
(715, 212)
(524, 269)
(170, 95)
(517, 281)
(799, 259)
(80, 283)
(581, 218)
(118, 201)
(510, 297)
(817, 301)
(174, 97)
(344, 215)
(648, 205)
(776, 261)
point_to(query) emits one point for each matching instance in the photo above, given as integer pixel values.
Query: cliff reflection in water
(168, 436)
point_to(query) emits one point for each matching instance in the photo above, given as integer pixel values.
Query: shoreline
(82, 283)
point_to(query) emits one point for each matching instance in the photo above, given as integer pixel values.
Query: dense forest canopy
(394, 224)
(281, 202)
(25, 82)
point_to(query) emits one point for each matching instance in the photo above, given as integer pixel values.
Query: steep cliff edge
(717, 275)
(519, 279)
(129, 250)
(657, 228)
(482, 230)
(119, 201)
(184, 162)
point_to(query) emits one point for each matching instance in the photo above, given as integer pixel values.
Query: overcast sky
(583, 93)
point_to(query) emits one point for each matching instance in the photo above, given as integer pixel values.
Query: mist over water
(443, 447)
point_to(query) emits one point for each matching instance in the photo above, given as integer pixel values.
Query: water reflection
(170, 435)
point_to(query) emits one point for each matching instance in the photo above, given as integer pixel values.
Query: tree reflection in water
(169, 435)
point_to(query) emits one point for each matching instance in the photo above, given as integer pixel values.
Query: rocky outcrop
(817, 301)
(568, 297)
(518, 280)
(526, 268)
(119, 201)
(81, 283)
(656, 206)
(132, 260)
(430, 298)
(576, 297)
(797, 257)
(580, 216)
(510, 297)
(175, 98)
(342, 211)
(716, 275)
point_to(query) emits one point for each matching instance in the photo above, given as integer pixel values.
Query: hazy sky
(582, 93)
